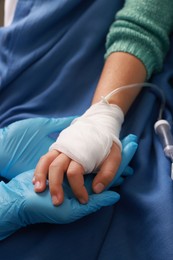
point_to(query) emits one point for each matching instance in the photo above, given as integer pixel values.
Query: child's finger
(57, 170)
(108, 170)
(41, 171)
(76, 180)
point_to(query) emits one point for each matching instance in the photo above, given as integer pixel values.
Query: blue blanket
(50, 61)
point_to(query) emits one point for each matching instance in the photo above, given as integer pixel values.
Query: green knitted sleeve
(142, 28)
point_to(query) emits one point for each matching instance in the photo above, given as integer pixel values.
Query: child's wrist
(89, 138)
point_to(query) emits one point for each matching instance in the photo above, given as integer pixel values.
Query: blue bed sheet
(50, 61)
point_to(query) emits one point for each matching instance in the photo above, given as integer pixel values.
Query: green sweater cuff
(140, 31)
(140, 48)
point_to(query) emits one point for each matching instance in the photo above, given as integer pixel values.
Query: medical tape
(89, 138)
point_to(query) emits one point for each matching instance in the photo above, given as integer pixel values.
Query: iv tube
(141, 85)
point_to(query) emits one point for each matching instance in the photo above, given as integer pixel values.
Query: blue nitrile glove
(129, 146)
(21, 206)
(23, 143)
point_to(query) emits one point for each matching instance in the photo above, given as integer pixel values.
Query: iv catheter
(162, 127)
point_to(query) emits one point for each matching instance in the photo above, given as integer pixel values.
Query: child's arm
(120, 69)
(136, 45)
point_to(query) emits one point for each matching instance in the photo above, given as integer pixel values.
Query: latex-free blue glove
(129, 146)
(24, 142)
(21, 206)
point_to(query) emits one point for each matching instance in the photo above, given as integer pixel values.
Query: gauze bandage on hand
(89, 138)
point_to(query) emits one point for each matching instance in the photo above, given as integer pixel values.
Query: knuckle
(71, 173)
(53, 166)
(43, 157)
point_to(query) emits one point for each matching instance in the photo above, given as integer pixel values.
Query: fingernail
(99, 187)
(33, 179)
(83, 201)
(37, 185)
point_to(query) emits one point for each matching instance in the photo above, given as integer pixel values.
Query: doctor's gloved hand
(24, 142)
(25, 207)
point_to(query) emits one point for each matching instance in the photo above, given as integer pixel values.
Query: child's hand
(50, 164)
(91, 143)
(54, 165)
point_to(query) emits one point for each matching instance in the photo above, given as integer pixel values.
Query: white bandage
(89, 138)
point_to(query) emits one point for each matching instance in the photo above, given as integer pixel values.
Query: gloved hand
(23, 143)
(21, 206)
(129, 146)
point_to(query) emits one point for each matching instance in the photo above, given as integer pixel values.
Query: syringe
(163, 130)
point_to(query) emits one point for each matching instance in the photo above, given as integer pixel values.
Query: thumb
(128, 139)
(128, 171)
(127, 155)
